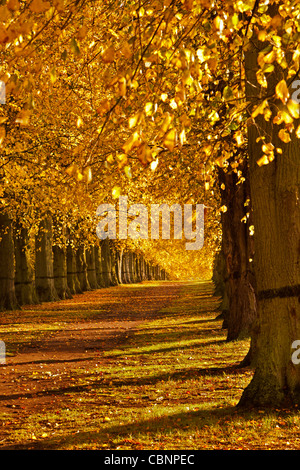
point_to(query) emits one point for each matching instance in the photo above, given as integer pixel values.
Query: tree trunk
(44, 280)
(8, 300)
(105, 262)
(72, 278)
(125, 268)
(237, 249)
(275, 190)
(91, 267)
(119, 261)
(113, 264)
(60, 272)
(99, 266)
(81, 267)
(24, 273)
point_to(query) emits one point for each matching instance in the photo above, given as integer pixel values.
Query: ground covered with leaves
(143, 366)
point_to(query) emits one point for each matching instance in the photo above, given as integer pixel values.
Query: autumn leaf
(284, 135)
(116, 192)
(282, 91)
(169, 140)
(294, 109)
(2, 134)
(23, 118)
(133, 141)
(38, 6)
(108, 55)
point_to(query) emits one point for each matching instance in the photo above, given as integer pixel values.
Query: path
(40, 373)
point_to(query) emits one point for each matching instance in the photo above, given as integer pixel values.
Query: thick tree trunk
(125, 269)
(275, 190)
(105, 262)
(44, 280)
(119, 261)
(138, 266)
(8, 300)
(24, 272)
(99, 267)
(72, 278)
(91, 267)
(237, 249)
(60, 272)
(113, 264)
(81, 267)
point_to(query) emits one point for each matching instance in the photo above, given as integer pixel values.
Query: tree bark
(275, 190)
(60, 272)
(113, 264)
(99, 266)
(44, 280)
(72, 278)
(24, 272)
(119, 262)
(125, 273)
(105, 262)
(81, 267)
(8, 300)
(91, 267)
(237, 249)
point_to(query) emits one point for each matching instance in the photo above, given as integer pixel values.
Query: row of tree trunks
(42, 270)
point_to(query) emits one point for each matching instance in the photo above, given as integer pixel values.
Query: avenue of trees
(175, 101)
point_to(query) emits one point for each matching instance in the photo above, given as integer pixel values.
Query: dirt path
(41, 373)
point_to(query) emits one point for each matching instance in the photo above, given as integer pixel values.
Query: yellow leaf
(116, 192)
(267, 148)
(82, 32)
(207, 149)
(284, 135)
(2, 134)
(282, 91)
(293, 108)
(79, 122)
(87, 172)
(259, 109)
(133, 120)
(239, 138)
(144, 153)
(264, 160)
(38, 6)
(108, 55)
(23, 118)
(154, 164)
(166, 123)
(270, 57)
(13, 4)
(71, 169)
(122, 86)
(262, 35)
(126, 51)
(298, 132)
(169, 140)
(79, 176)
(127, 171)
(132, 142)
(182, 137)
(148, 108)
(53, 74)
